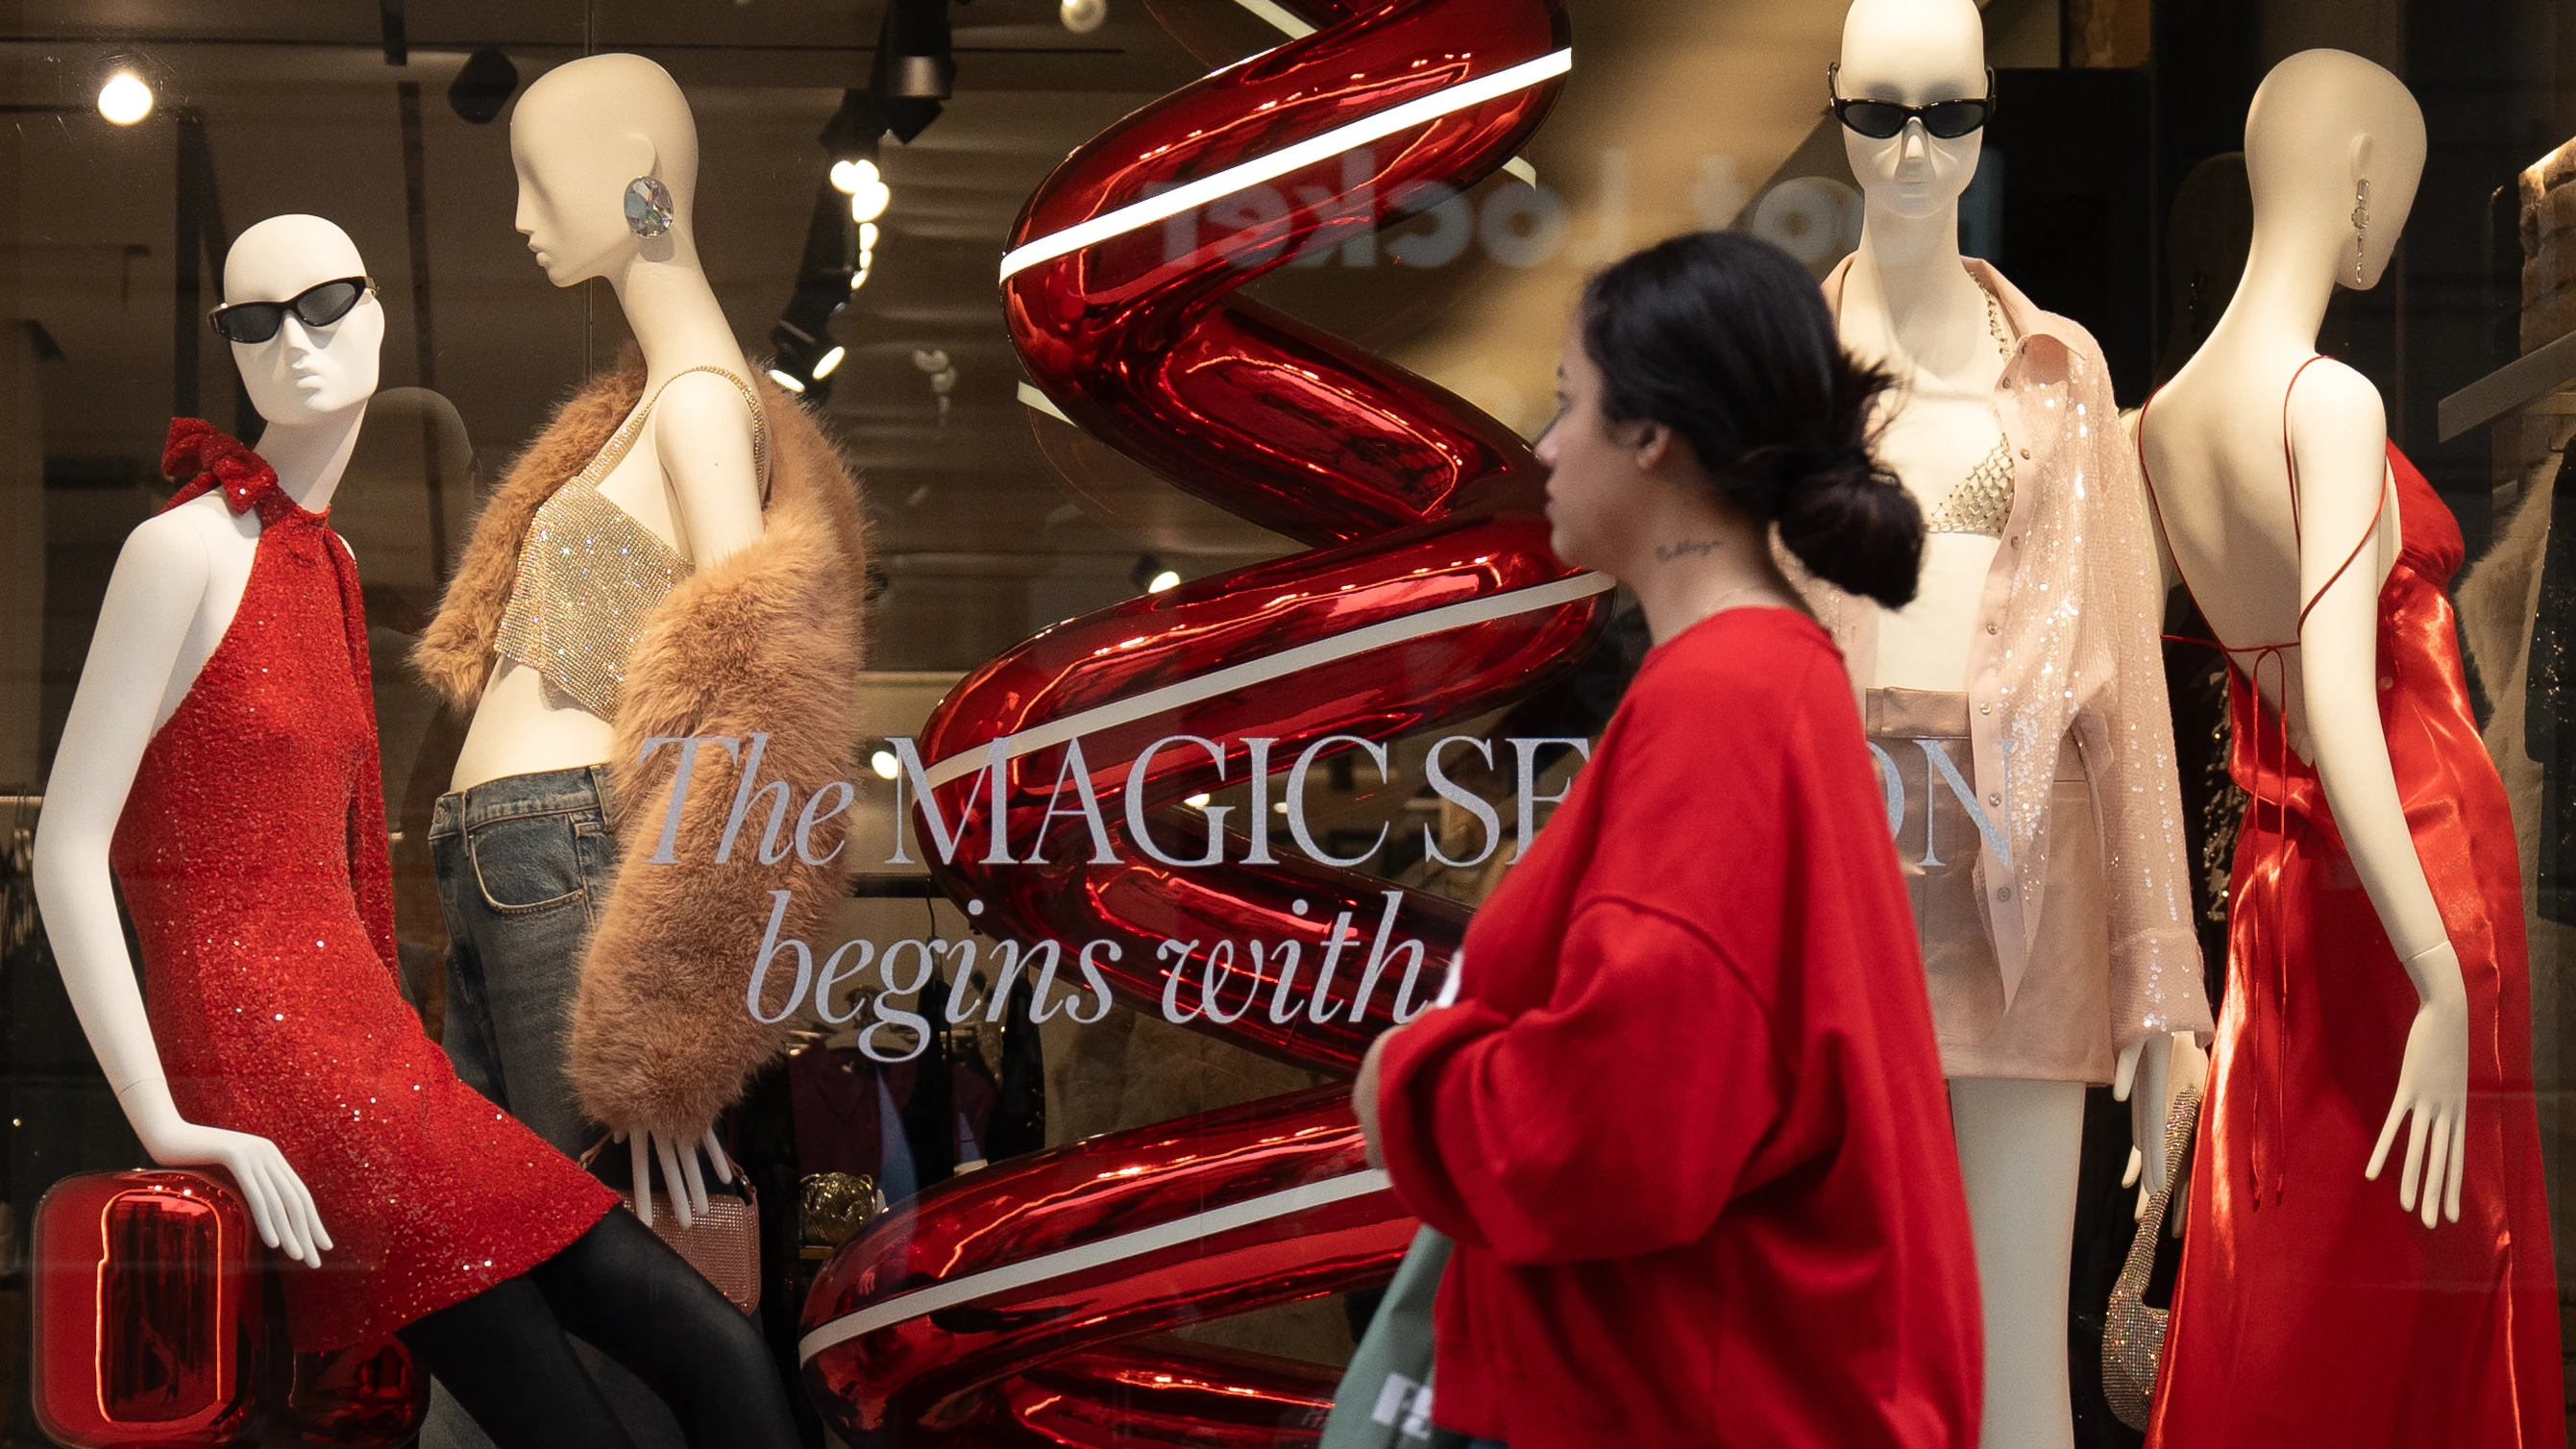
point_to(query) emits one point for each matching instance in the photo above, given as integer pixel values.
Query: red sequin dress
(252, 857)
(2312, 1309)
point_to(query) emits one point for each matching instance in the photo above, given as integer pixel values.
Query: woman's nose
(1917, 144)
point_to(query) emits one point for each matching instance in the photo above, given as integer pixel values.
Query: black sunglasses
(319, 305)
(1883, 120)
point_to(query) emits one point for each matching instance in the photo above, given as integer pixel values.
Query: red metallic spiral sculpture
(1003, 1307)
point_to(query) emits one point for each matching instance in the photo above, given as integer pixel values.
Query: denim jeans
(523, 867)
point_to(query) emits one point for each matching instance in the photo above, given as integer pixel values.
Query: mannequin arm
(702, 432)
(2339, 436)
(155, 592)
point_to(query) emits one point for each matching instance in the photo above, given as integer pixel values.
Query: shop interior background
(2105, 194)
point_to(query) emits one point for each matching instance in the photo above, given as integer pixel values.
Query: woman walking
(1685, 1118)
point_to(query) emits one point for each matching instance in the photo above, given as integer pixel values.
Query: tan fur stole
(765, 640)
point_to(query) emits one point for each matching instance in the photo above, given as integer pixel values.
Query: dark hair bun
(1725, 339)
(1854, 526)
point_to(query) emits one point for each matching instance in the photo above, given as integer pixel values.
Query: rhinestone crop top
(1982, 501)
(590, 574)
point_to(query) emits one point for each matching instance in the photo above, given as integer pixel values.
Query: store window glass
(947, 610)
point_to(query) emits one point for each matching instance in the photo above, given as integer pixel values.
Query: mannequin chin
(303, 375)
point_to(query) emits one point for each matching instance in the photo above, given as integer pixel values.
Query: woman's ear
(1654, 446)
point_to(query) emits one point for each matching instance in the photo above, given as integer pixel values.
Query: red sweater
(1686, 1120)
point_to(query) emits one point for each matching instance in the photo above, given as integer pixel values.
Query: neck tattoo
(1695, 548)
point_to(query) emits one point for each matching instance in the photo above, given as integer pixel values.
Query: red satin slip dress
(2311, 1308)
(252, 857)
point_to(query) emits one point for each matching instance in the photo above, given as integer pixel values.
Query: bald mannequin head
(2330, 133)
(303, 374)
(578, 137)
(1914, 52)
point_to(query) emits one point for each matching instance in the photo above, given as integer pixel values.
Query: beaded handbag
(2133, 1334)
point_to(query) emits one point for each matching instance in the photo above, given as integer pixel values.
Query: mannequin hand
(281, 1207)
(2433, 1100)
(2172, 1064)
(680, 1175)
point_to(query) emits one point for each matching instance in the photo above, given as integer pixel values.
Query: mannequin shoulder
(2330, 401)
(701, 404)
(182, 543)
(2338, 431)
(166, 565)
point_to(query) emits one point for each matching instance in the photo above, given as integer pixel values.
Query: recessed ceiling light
(125, 99)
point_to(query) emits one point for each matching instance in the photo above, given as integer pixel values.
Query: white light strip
(1296, 29)
(1269, 667)
(1031, 397)
(1279, 18)
(1279, 163)
(904, 1306)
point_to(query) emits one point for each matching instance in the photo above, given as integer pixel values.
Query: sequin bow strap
(210, 459)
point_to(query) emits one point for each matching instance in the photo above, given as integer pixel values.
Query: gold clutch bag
(722, 1243)
(2133, 1335)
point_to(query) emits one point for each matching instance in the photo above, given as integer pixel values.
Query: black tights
(503, 1354)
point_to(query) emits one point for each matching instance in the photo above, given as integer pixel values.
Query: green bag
(1385, 1398)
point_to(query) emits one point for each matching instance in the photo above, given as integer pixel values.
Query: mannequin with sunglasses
(2017, 706)
(219, 765)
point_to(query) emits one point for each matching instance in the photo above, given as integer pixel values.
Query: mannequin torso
(689, 476)
(1942, 350)
(178, 585)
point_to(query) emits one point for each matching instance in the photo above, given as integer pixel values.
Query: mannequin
(2377, 964)
(690, 476)
(248, 837)
(171, 600)
(677, 556)
(1980, 373)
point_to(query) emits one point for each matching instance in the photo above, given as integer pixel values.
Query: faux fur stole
(763, 642)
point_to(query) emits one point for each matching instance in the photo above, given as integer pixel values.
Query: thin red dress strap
(2290, 458)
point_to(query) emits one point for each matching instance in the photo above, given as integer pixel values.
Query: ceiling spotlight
(787, 380)
(483, 86)
(858, 279)
(884, 763)
(1083, 16)
(824, 364)
(124, 99)
(867, 236)
(914, 52)
(1167, 579)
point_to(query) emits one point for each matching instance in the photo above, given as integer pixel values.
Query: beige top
(590, 575)
(2066, 640)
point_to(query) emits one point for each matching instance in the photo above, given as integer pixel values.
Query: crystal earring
(2360, 227)
(648, 207)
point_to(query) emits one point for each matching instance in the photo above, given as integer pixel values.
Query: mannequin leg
(625, 1292)
(504, 1357)
(2018, 1149)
